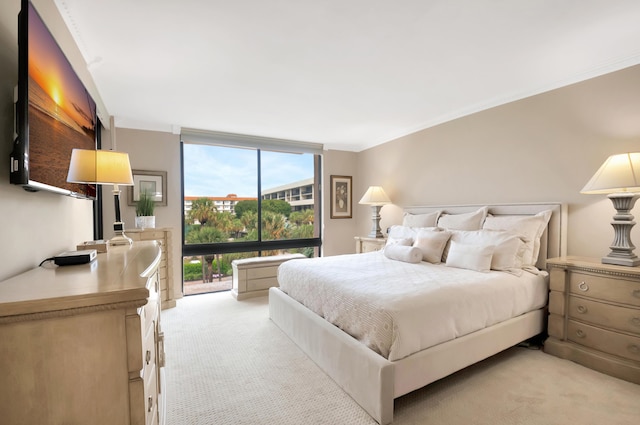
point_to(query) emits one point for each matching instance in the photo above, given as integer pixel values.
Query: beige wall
(543, 148)
(33, 226)
(338, 233)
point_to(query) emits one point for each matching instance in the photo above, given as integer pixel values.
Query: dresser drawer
(611, 316)
(605, 288)
(151, 398)
(618, 344)
(261, 284)
(143, 400)
(140, 337)
(262, 272)
(149, 354)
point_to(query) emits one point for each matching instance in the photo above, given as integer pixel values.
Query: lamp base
(622, 248)
(120, 238)
(629, 262)
(376, 232)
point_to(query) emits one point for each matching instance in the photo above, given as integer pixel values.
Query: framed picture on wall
(341, 197)
(154, 182)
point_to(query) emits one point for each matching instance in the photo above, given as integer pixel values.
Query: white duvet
(398, 308)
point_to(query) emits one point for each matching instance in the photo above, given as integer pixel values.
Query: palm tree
(236, 227)
(222, 221)
(305, 216)
(309, 216)
(202, 210)
(249, 220)
(206, 234)
(274, 226)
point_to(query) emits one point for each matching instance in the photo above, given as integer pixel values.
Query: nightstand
(594, 315)
(368, 244)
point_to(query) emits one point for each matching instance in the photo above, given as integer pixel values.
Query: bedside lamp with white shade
(376, 197)
(619, 177)
(103, 167)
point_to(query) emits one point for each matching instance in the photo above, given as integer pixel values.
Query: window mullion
(258, 152)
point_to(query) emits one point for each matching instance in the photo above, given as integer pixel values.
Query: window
(243, 202)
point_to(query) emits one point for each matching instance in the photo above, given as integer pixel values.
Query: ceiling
(347, 73)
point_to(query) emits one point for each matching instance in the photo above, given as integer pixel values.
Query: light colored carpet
(227, 363)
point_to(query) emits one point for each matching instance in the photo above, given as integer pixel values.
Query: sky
(219, 171)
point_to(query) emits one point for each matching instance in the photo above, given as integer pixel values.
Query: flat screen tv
(54, 112)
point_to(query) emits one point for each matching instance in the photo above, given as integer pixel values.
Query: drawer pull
(583, 286)
(149, 404)
(580, 333)
(634, 349)
(582, 309)
(161, 360)
(636, 293)
(148, 357)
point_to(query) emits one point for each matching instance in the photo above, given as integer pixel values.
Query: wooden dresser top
(116, 277)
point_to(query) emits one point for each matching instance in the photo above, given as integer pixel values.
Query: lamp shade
(375, 196)
(99, 167)
(619, 173)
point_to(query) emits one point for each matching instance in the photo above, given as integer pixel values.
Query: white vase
(146, 222)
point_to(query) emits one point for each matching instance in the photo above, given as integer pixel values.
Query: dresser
(594, 315)
(165, 270)
(368, 244)
(83, 344)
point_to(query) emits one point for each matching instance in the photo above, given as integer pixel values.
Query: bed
(394, 356)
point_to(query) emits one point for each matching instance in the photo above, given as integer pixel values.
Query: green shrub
(192, 271)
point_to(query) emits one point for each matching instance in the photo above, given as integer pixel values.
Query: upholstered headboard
(553, 242)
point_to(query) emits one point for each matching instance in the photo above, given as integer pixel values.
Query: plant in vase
(144, 211)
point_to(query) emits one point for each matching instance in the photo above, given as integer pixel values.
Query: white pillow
(531, 227)
(470, 257)
(432, 242)
(467, 221)
(420, 220)
(403, 242)
(509, 248)
(397, 232)
(401, 232)
(408, 254)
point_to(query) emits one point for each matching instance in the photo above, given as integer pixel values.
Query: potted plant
(144, 211)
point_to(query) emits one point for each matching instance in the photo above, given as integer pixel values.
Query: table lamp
(619, 177)
(103, 167)
(375, 197)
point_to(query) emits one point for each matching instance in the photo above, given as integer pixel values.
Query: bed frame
(373, 381)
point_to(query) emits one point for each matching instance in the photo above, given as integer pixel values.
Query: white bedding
(398, 308)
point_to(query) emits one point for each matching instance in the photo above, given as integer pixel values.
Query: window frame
(259, 245)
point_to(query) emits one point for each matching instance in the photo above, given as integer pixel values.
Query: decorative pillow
(432, 242)
(470, 257)
(420, 220)
(397, 232)
(408, 254)
(531, 227)
(400, 232)
(509, 248)
(467, 221)
(402, 242)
